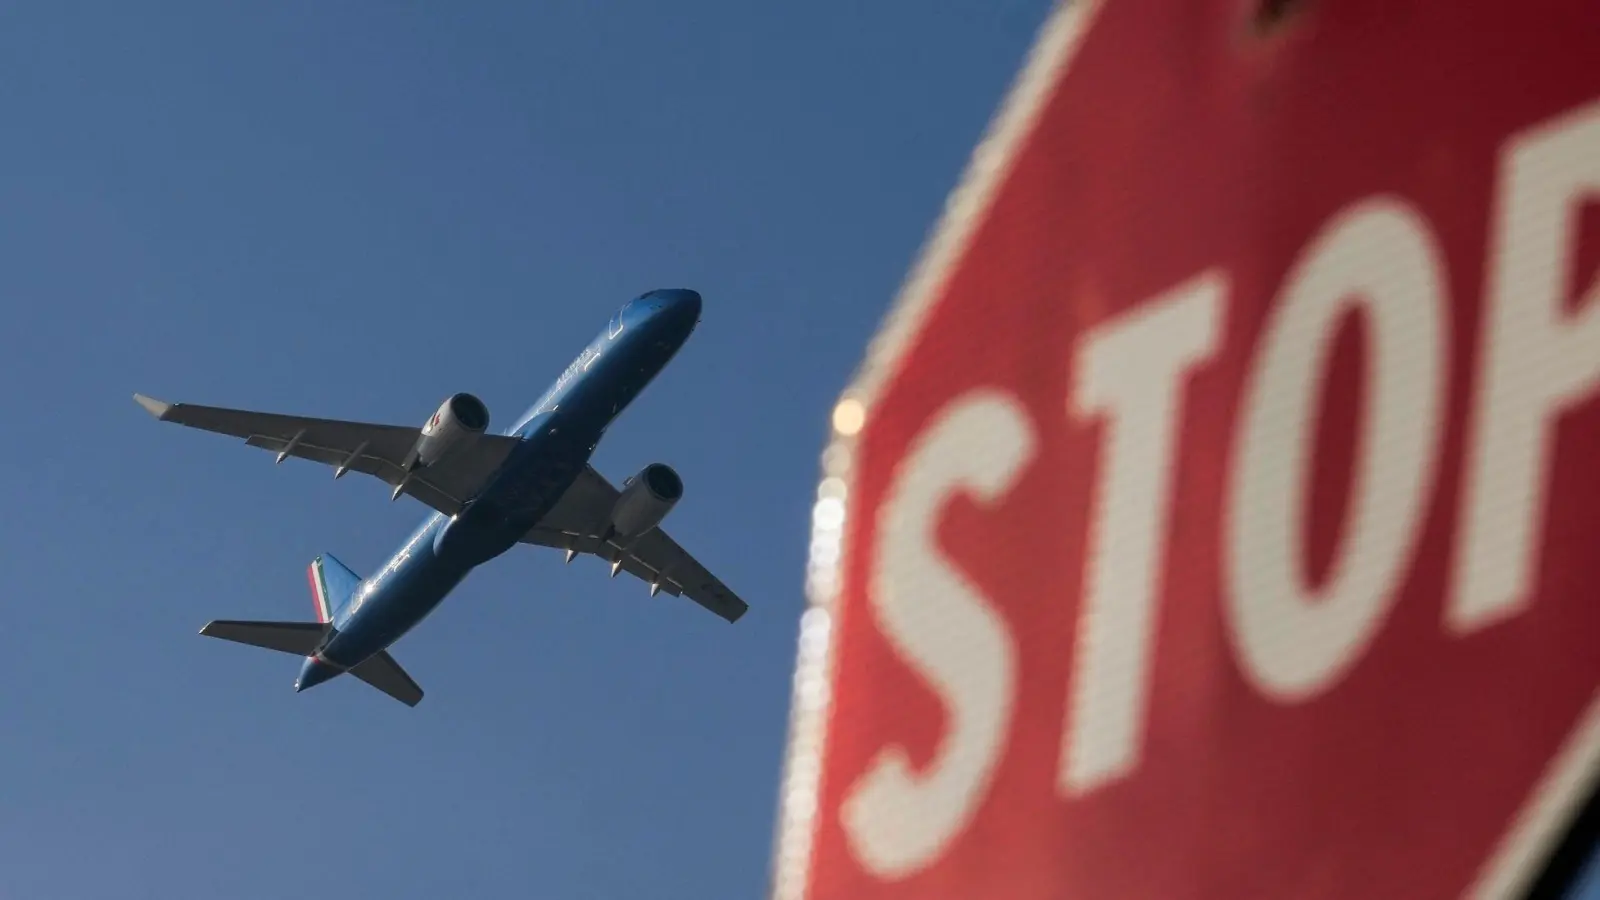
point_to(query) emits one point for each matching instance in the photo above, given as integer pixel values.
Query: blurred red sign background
(1217, 514)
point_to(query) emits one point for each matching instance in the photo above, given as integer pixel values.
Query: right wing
(376, 450)
(577, 523)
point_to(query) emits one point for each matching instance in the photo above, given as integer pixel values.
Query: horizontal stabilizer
(383, 673)
(299, 638)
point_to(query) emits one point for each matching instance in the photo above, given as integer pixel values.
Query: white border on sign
(1543, 819)
(991, 162)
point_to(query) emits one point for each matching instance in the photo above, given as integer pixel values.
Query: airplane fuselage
(556, 438)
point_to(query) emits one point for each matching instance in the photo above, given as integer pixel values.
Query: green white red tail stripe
(319, 590)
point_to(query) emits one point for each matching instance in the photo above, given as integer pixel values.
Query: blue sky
(1588, 886)
(353, 210)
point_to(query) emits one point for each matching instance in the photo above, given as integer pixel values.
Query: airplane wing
(376, 450)
(578, 520)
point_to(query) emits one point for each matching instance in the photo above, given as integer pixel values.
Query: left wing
(376, 450)
(579, 519)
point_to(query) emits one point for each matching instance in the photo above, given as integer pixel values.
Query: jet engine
(646, 499)
(458, 416)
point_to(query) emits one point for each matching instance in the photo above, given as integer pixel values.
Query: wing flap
(423, 484)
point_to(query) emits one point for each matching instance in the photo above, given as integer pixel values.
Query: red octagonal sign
(1218, 514)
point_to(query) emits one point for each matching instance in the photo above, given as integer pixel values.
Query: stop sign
(1216, 514)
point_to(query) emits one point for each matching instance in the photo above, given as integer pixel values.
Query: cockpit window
(616, 321)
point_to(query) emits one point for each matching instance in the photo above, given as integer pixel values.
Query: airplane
(531, 485)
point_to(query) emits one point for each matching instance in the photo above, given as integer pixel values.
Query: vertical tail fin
(332, 585)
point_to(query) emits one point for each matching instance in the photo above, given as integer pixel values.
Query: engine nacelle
(646, 499)
(459, 416)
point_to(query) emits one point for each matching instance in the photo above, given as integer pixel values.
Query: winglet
(153, 406)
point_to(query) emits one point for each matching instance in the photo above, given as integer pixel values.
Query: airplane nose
(313, 673)
(676, 312)
(681, 303)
